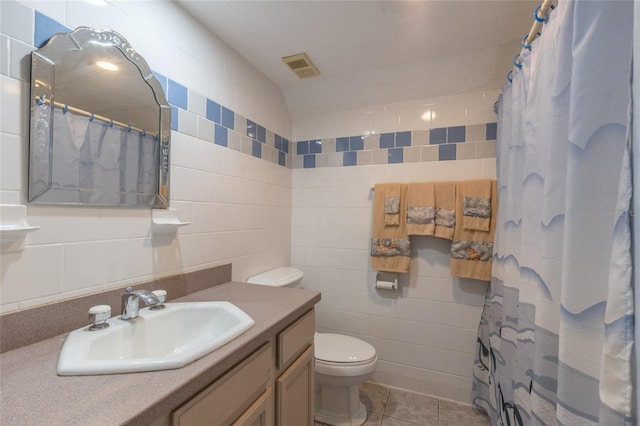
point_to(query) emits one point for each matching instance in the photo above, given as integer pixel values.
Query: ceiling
(372, 52)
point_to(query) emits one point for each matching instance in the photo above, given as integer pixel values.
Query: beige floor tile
(397, 407)
(373, 419)
(454, 414)
(391, 421)
(412, 407)
(374, 397)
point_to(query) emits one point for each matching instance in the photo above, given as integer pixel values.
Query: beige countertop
(33, 394)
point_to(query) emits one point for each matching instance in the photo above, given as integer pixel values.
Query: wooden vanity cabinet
(294, 389)
(295, 373)
(227, 399)
(273, 386)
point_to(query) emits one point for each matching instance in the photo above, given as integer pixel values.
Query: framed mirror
(100, 124)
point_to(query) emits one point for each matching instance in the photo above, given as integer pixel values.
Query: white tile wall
(247, 211)
(238, 206)
(424, 334)
(457, 110)
(16, 21)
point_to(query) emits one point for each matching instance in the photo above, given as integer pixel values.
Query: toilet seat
(343, 356)
(345, 369)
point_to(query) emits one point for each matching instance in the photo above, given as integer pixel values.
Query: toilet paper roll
(387, 285)
(387, 281)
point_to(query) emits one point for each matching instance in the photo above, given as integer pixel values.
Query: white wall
(238, 206)
(445, 111)
(425, 334)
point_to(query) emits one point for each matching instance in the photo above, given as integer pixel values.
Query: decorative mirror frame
(42, 104)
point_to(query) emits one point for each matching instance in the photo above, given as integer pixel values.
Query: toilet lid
(279, 277)
(340, 348)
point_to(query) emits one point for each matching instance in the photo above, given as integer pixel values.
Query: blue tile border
(356, 143)
(456, 134)
(425, 145)
(447, 152)
(342, 144)
(162, 80)
(44, 28)
(256, 148)
(491, 131)
(387, 140)
(309, 161)
(261, 134)
(252, 130)
(213, 111)
(395, 156)
(221, 136)
(349, 158)
(174, 118)
(302, 147)
(228, 118)
(315, 147)
(403, 139)
(438, 136)
(178, 95)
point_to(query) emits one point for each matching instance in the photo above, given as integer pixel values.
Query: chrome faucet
(131, 302)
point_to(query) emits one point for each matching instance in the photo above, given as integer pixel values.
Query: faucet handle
(99, 315)
(161, 295)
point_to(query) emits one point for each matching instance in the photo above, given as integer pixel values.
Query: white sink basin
(156, 340)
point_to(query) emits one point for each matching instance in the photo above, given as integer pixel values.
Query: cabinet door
(229, 397)
(294, 402)
(261, 412)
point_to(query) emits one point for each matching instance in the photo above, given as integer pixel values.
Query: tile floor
(388, 406)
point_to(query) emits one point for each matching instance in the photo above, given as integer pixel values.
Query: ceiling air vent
(301, 65)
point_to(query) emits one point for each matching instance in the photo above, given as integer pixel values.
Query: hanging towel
(472, 251)
(392, 204)
(445, 203)
(420, 208)
(390, 248)
(476, 205)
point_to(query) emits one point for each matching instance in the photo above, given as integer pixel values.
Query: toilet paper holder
(387, 281)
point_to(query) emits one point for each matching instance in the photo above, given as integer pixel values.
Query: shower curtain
(556, 335)
(96, 163)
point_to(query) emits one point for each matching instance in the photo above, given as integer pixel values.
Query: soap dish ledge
(166, 221)
(13, 224)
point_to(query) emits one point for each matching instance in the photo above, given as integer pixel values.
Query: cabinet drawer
(224, 401)
(295, 339)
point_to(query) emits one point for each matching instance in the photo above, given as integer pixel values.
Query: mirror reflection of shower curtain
(102, 164)
(556, 334)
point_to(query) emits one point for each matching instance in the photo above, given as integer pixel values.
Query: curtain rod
(538, 19)
(540, 16)
(91, 116)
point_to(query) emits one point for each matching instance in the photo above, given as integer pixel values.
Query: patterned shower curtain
(96, 163)
(556, 335)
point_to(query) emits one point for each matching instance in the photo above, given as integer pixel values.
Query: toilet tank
(285, 276)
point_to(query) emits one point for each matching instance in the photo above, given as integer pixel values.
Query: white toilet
(342, 363)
